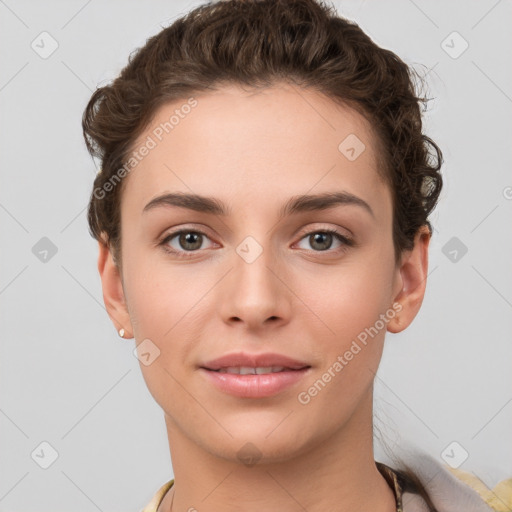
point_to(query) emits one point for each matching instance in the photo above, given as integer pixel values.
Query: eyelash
(347, 242)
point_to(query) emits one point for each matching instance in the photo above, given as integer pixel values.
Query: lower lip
(254, 386)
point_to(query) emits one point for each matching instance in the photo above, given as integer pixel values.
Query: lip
(254, 360)
(254, 386)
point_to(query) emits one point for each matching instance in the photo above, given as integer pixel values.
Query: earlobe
(413, 277)
(113, 293)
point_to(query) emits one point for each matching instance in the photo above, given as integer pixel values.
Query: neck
(337, 473)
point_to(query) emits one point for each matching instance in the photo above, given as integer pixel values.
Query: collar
(395, 482)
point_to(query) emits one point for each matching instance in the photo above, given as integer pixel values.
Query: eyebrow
(296, 204)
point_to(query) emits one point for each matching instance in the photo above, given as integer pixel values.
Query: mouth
(260, 370)
(254, 382)
(246, 363)
(247, 375)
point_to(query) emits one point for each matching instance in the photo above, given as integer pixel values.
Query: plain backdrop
(72, 394)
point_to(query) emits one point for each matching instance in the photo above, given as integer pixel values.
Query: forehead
(243, 144)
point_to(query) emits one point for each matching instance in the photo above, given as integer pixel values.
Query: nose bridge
(253, 292)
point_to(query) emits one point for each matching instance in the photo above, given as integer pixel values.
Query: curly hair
(258, 43)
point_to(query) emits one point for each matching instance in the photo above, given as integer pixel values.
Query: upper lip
(264, 360)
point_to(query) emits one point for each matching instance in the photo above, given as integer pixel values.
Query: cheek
(347, 328)
(162, 297)
(346, 301)
(169, 305)
(164, 304)
(350, 338)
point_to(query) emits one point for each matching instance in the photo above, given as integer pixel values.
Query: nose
(254, 292)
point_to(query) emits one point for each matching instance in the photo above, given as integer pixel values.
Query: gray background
(67, 379)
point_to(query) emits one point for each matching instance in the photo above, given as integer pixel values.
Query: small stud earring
(121, 333)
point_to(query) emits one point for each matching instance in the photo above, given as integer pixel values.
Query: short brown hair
(257, 43)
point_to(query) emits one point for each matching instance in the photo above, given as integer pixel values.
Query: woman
(262, 218)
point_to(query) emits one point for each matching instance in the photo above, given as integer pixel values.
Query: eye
(321, 240)
(187, 241)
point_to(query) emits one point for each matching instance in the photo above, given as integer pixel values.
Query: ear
(113, 293)
(411, 281)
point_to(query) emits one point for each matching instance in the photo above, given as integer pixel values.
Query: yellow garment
(152, 506)
(499, 497)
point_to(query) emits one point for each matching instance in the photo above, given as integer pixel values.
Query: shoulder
(449, 490)
(499, 497)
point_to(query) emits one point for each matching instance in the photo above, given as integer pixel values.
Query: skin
(254, 150)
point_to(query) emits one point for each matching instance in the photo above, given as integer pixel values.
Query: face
(260, 273)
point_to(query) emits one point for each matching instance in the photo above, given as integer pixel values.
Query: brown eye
(322, 240)
(185, 241)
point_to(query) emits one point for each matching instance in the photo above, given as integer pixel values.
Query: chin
(256, 446)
